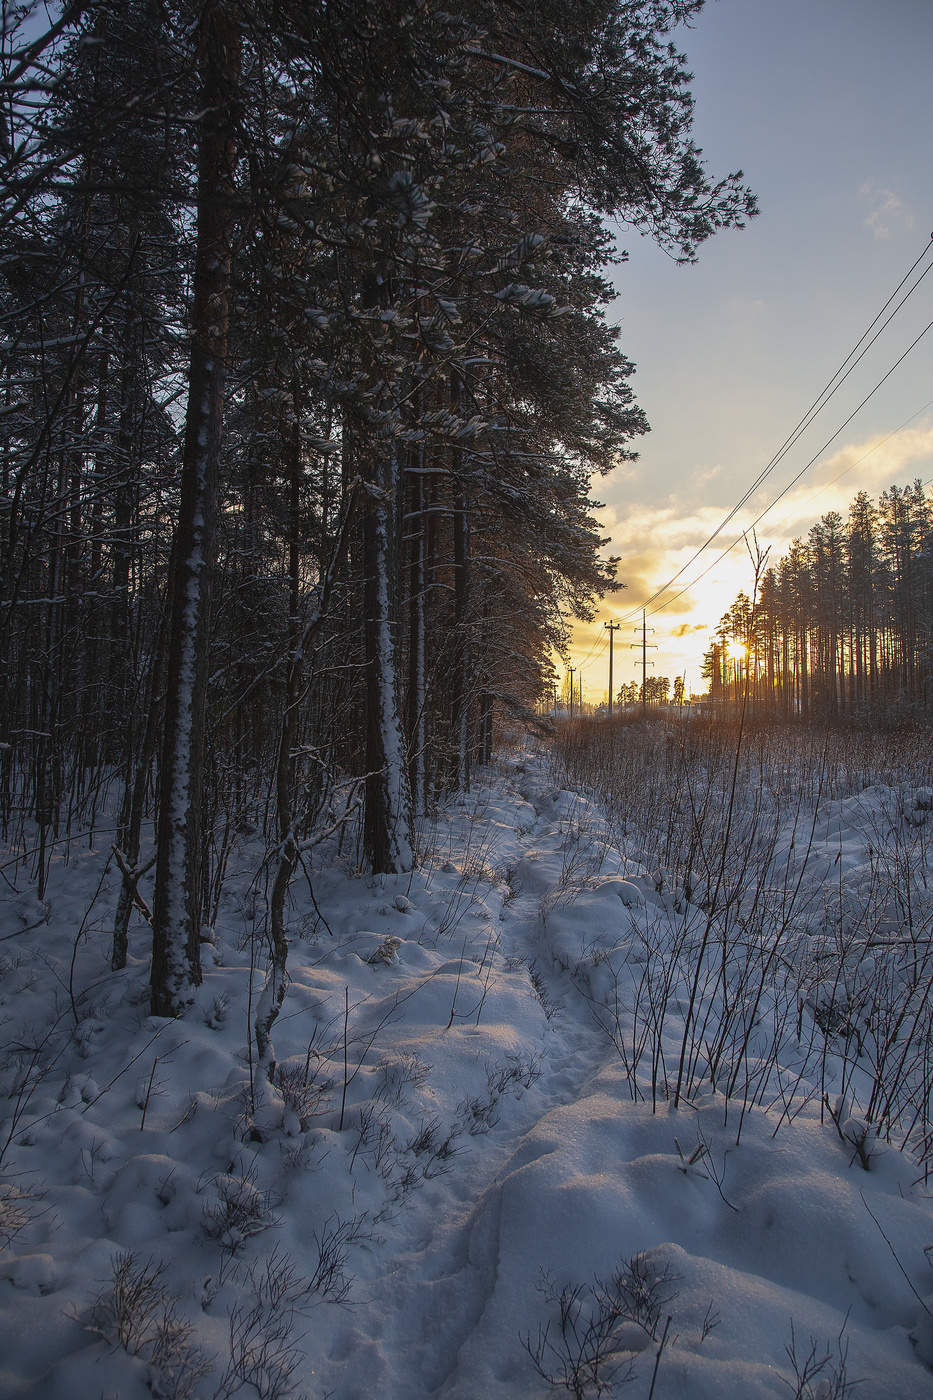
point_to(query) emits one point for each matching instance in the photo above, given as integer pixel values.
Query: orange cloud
(656, 541)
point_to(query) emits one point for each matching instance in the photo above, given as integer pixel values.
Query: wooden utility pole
(645, 644)
(613, 628)
(571, 669)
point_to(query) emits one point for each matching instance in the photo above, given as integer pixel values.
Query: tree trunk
(387, 827)
(176, 964)
(273, 992)
(416, 641)
(462, 682)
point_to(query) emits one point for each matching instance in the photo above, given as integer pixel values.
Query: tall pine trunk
(387, 827)
(417, 633)
(176, 965)
(462, 672)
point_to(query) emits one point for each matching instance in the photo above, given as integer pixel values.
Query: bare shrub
(176, 1363)
(601, 1327)
(139, 1314)
(583, 853)
(24, 1067)
(17, 1210)
(386, 953)
(583, 1358)
(304, 1093)
(404, 1071)
(820, 1373)
(512, 1074)
(779, 944)
(549, 1007)
(242, 1209)
(478, 1113)
(264, 1352)
(332, 1244)
(638, 1291)
(127, 1314)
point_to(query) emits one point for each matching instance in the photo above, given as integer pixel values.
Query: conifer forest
(840, 626)
(305, 376)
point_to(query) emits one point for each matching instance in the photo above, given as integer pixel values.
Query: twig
(142, 1123)
(895, 1258)
(657, 1359)
(346, 1022)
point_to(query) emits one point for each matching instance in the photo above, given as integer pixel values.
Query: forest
(841, 624)
(306, 373)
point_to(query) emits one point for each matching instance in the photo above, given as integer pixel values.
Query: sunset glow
(656, 541)
(731, 352)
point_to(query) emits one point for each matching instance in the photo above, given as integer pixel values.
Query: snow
(451, 1140)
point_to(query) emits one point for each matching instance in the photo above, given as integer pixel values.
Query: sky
(826, 106)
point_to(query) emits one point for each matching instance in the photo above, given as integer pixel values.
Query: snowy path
(435, 1295)
(448, 1127)
(576, 1178)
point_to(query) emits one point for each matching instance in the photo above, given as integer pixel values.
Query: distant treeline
(842, 622)
(657, 691)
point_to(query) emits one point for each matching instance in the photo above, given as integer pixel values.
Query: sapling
(346, 1079)
(711, 1320)
(453, 1004)
(148, 1093)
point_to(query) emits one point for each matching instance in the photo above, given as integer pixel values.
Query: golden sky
(654, 541)
(832, 134)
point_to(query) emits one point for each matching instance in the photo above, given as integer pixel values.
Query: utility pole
(645, 644)
(613, 628)
(571, 669)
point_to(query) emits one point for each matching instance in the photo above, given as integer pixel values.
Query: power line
(793, 480)
(819, 490)
(816, 407)
(592, 654)
(829, 389)
(645, 644)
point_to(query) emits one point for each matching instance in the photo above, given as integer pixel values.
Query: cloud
(702, 476)
(656, 540)
(888, 214)
(871, 465)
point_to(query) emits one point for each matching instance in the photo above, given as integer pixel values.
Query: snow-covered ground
(463, 1184)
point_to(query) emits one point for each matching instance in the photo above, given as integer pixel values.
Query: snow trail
(489, 1136)
(435, 1295)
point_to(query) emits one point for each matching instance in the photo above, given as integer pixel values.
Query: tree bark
(387, 827)
(273, 992)
(176, 965)
(417, 635)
